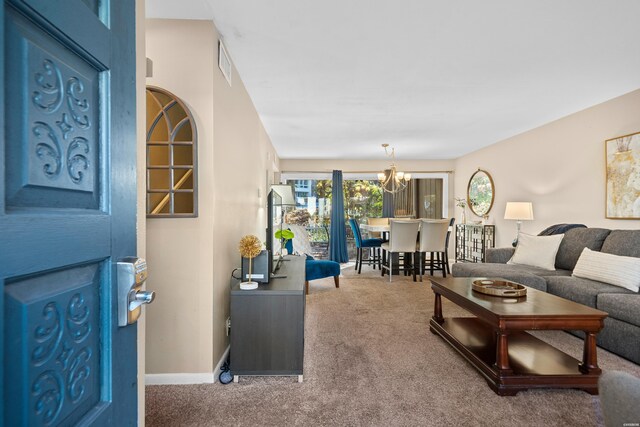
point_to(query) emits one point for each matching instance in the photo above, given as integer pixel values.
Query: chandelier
(391, 180)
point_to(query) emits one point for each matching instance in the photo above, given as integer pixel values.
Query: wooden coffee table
(496, 344)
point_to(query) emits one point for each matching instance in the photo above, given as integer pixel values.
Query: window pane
(159, 130)
(313, 210)
(184, 133)
(429, 195)
(183, 203)
(183, 179)
(183, 155)
(175, 114)
(363, 199)
(158, 203)
(158, 155)
(159, 179)
(162, 98)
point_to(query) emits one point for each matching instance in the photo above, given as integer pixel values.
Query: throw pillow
(623, 271)
(537, 251)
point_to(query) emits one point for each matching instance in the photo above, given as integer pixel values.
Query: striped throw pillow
(623, 271)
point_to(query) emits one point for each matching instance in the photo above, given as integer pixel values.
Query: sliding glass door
(425, 197)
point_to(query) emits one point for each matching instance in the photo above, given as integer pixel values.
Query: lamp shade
(286, 192)
(519, 211)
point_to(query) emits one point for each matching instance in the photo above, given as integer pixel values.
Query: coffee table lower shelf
(533, 363)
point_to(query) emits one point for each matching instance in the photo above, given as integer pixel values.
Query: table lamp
(286, 192)
(520, 211)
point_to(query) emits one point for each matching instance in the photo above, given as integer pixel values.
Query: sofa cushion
(623, 271)
(623, 242)
(621, 306)
(537, 251)
(499, 255)
(620, 337)
(523, 274)
(583, 291)
(575, 240)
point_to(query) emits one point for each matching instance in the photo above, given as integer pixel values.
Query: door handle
(141, 297)
(132, 273)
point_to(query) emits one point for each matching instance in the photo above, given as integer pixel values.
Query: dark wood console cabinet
(267, 324)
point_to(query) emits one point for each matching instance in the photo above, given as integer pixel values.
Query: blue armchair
(317, 268)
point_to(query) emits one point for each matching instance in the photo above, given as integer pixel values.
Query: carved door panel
(67, 210)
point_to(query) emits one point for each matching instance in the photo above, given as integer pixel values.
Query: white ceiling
(435, 79)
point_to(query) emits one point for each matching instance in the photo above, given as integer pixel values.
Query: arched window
(171, 156)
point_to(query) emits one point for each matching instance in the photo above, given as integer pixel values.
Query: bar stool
(402, 239)
(433, 239)
(361, 243)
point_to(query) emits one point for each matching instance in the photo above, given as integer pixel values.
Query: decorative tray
(499, 288)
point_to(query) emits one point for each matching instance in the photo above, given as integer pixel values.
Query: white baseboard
(187, 378)
(179, 378)
(216, 370)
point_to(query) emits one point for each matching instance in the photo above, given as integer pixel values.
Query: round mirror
(480, 193)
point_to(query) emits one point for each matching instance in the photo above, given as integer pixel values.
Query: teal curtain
(338, 241)
(388, 205)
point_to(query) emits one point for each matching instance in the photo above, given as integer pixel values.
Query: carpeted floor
(370, 360)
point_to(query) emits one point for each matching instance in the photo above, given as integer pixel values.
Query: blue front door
(67, 211)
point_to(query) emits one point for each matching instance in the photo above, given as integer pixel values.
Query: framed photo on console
(623, 177)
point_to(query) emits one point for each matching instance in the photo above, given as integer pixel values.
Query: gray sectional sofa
(621, 334)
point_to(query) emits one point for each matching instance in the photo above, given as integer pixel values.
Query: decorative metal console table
(473, 240)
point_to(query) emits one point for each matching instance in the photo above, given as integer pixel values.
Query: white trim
(181, 378)
(187, 378)
(284, 176)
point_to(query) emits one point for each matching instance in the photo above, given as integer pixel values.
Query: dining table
(384, 229)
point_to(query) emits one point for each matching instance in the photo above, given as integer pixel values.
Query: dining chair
(402, 239)
(433, 239)
(377, 221)
(361, 244)
(452, 222)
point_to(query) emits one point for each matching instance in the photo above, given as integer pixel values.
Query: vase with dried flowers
(249, 247)
(462, 203)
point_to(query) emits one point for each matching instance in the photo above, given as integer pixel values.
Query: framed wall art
(623, 177)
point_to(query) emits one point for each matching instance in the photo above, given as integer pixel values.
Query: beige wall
(191, 259)
(560, 167)
(243, 159)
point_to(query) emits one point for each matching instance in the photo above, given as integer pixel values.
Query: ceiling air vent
(224, 62)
